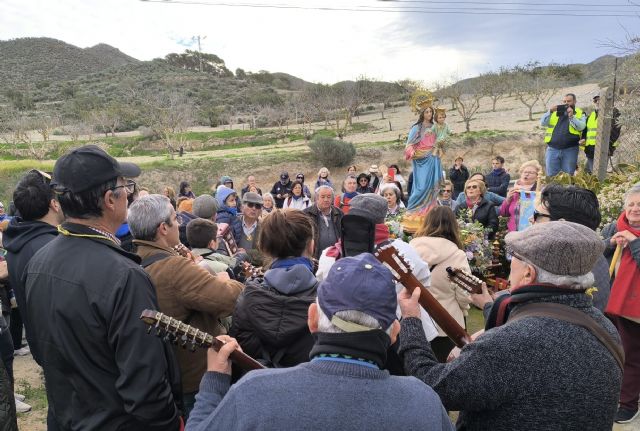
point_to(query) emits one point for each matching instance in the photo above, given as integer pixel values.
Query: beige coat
(443, 253)
(187, 291)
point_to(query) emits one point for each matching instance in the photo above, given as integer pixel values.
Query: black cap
(86, 167)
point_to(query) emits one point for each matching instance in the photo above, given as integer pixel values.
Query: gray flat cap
(560, 247)
(205, 206)
(252, 197)
(369, 205)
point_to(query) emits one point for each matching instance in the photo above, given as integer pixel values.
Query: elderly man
(251, 211)
(343, 387)
(185, 291)
(548, 360)
(251, 182)
(84, 295)
(327, 219)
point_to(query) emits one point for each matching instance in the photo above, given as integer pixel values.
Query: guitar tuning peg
(149, 329)
(158, 332)
(183, 341)
(192, 347)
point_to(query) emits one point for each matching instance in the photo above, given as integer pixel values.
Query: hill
(37, 62)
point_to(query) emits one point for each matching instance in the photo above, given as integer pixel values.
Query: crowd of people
(290, 277)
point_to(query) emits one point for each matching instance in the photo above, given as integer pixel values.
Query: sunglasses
(537, 215)
(253, 205)
(472, 187)
(443, 191)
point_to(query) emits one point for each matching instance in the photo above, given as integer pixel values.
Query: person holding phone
(564, 124)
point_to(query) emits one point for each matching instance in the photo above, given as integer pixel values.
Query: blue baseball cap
(359, 283)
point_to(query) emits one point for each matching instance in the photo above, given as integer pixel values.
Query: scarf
(624, 299)
(288, 262)
(473, 206)
(504, 304)
(369, 346)
(350, 195)
(382, 235)
(497, 172)
(296, 198)
(233, 211)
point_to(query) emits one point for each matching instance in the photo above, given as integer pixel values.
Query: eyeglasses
(472, 187)
(537, 215)
(129, 187)
(443, 191)
(254, 205)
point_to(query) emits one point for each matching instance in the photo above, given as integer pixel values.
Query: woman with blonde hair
(482, 210)
(323, 178)
(438, 242)
(528, 182)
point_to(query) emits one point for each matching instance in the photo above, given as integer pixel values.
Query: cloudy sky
(418, 39)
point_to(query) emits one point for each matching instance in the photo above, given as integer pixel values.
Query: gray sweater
(319, 395)
(532, 374)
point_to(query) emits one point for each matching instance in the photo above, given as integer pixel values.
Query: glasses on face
(472, 187)
(537, 215)
(129, 187)
(443, 191)
(254, 205)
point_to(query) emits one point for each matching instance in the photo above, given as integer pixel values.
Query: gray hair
(146, 214)
(325, 325)
(270, 196)
(634, 190)
(324, 187)
(391, 186)
(584, 281)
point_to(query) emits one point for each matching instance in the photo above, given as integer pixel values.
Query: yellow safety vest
(592, 129)
(554, 120)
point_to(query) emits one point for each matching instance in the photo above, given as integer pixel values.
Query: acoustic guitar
(178, 333)
(390, 257)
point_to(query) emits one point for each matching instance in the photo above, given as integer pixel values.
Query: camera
(561, 110)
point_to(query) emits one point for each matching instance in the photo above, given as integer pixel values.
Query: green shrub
(332, 152)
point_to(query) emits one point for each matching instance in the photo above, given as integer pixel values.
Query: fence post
(605, 113)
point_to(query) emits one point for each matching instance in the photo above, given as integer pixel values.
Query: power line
(581, 5)
(461, 11)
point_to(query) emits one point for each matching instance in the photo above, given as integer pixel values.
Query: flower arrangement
(394, 223)
(476, 244)
(611, 196)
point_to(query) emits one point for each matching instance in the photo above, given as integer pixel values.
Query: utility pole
(199, 39)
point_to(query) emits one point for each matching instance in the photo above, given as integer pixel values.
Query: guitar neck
(448, 324)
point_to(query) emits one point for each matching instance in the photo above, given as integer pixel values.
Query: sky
(410, 39)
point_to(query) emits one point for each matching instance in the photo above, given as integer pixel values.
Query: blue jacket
(224, 215)
(498, 181)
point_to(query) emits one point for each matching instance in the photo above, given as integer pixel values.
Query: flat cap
(205, 206)
(559, 247)
(370, 206)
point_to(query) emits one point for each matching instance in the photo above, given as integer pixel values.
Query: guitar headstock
(468, 282)
(391, 258)
(175, 331)
(181, 249)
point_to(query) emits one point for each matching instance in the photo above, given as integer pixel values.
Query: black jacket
(498, 182)
(22, 240)
(458, 177)
(485, 214)
(270, 320)
(102, 370)
(281, 189)
(336, 219)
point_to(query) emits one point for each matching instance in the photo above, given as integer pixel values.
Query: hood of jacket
(20, 232)
(434, 250)
(290, 281)
(280, 319)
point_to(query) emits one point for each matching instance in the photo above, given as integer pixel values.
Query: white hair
(634, 190)
(325, 325)
(584, 281)
(324, 187)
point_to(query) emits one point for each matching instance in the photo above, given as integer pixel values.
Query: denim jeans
(564, 160)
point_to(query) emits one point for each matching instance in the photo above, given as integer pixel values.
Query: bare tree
(495, 85)
(45, 125)
(169, 117)
(107, 119)
(467, 95)
(77, 129)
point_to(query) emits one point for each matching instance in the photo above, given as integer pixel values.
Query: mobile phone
(392, 174)
(561, 109)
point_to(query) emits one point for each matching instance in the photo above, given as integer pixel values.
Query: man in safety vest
(588, 141)
(564, 124)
